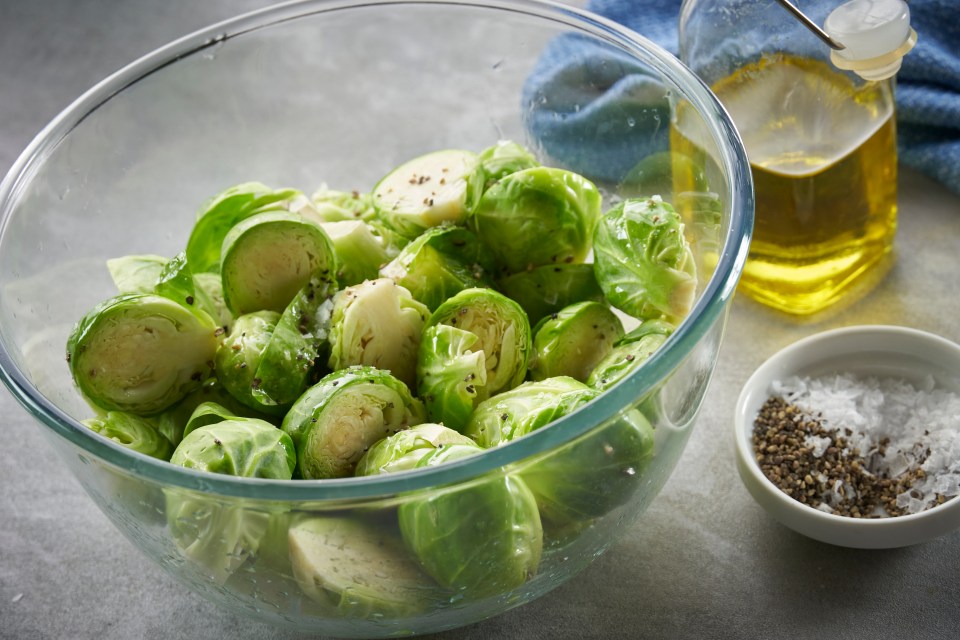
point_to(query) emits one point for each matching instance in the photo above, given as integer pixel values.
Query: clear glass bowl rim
(706, 312)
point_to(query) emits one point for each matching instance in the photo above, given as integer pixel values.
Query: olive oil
(823, 156)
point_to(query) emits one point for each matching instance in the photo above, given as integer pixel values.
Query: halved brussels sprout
(240, 354)
(360, 250)
(244, 447)
(594, 474)
(451, 369)
(377, 323)
(331, 205)
(537, 216)
(503, 331)
(632, 350)
(519, 411)
(442, 186)
(480, 539)
(403, 450)
(643, 262)
(359, 568)
(222, 212)
(547, 289)
(133, 432)
(140, 353)
(572, 341)
(136, 273)
(504, 158)
(335, 421)
(269, 257)
(439, 263)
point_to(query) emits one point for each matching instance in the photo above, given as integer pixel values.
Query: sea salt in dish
(885, 399)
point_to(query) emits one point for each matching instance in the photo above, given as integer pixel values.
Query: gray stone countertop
(705, 561)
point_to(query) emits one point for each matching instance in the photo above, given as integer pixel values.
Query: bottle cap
(875, 34)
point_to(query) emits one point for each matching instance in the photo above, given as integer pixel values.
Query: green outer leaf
(524, 409)
(504, 158)
(481, 539)
(631, 351)
(503, 329)
(205, 414)
(240, 354)
(537, 216)
(224, 210)
(643, 262)
(133, 432)
(281, 271)
(441, 262)
(549, 288)
(572, 341)
(106, 365)
(594, 474)
(243, 447)
(136, 273)
(323, 422)
(451, 374)
(175, 281)
(403, 450)
(172, 422)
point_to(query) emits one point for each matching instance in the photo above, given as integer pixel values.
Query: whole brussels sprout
(107, 350)
(357, 568)
(502, 159)
(379, 324)
(643, 261)
(480, 539)
(222, 212)
(629, 352)
(442, 186)
(572, 341)
(336, 420)
(133, 432)
(244, 447)
(404, 449)
(537, 216)
(439, 263)
(269, 257)
(549, 288)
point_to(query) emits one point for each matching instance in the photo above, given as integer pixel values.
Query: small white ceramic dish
(883, 351)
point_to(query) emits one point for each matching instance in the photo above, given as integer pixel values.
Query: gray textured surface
(704, 562)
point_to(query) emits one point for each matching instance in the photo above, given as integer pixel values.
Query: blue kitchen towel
(577, 84)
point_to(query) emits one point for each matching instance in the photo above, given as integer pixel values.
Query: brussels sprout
(503, 330)
(222, 212)
(205, 414)
(209, 289)
(360, 250)
(537, 216)
(629, 352)
(451, 368)
(594, 474)
(528, 407)
(404, 449)
(504, 158)
(572, 341)
(377, 323)
(239, 356)
(438, 187)
(244, 447)
(140, 353)
(173, 422)
(643, 261)
(547, 289)
(133, 432)
(357, 567)
(267, 258)
(336, 420)
(136, 273)
(439, 263)
(330, 205)
(482, 538)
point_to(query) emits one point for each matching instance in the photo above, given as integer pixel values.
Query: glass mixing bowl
(340, 92)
